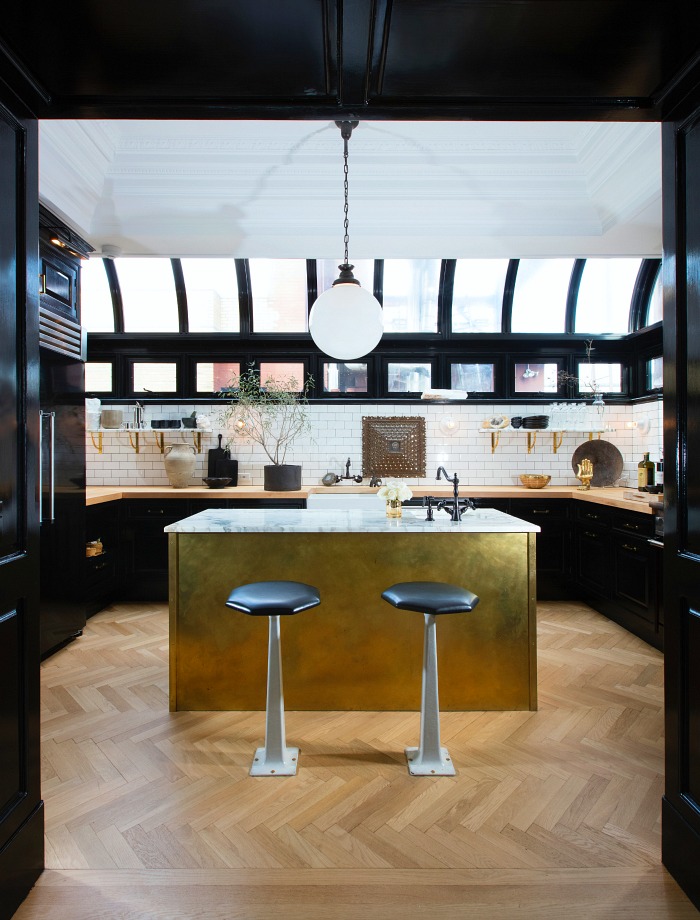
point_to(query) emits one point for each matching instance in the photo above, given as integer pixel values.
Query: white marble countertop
(288, 520)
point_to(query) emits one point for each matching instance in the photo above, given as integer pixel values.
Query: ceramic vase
(179, 461)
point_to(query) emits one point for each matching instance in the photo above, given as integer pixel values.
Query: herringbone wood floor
(552, 813)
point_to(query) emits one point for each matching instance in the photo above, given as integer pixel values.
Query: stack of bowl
(535, 421)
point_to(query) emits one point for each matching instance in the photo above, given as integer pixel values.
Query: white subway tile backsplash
(337, 435)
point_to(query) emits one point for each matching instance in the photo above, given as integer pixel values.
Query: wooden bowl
(534, 480)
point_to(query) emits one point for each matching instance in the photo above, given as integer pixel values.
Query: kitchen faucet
(455, 507)
(347, 474)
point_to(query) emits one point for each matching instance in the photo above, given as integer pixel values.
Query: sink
(340, 502)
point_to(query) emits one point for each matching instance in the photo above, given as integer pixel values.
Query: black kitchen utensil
(214, 455)
(227, 469)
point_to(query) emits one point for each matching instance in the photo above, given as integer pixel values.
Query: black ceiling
(482, 59)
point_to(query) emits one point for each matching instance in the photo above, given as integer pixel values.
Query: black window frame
(441, 349)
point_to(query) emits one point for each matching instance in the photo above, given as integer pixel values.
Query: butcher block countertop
(612, 497)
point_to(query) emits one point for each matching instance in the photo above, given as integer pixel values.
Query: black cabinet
(60, 253)
(144, 545)
(102, 571)
(591, 548)
(616, 568)
(553, 543)
(60, 278)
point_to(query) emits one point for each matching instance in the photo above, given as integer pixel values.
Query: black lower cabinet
(144, 545)
(617, 570)
(592, 553)
(589, 552)
(553, 544)
(102, 571)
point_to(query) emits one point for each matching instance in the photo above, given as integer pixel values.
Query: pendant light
(346, 321)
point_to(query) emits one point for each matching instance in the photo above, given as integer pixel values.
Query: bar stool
(432, 598)
(274, 599)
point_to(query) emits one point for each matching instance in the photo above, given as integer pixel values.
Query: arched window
(605, 295)
(410, 293)
(279, 292)
(96, 308)
(539, 298)
(212, 295)
(655, 312)
(148, 295)
(477, 295)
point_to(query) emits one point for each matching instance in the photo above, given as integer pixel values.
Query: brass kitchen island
(354, 651)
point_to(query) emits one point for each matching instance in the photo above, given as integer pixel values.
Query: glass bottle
(660, 474)
(645, 473)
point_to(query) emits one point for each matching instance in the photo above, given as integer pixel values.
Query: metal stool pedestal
(274, 599)
(432, 598)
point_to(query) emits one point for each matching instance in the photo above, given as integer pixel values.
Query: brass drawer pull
(631, 549)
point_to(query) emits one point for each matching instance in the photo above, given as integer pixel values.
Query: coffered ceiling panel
(382, 59)
(417, 189)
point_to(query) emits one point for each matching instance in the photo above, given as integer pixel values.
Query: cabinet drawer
(172, 509)
(641, 525)
(536, 511)
(97, 567)
(596, 516)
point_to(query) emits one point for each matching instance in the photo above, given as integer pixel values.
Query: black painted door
(21, 812)
(681, 803)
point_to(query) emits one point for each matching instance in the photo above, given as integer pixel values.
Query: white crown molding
(243, 188)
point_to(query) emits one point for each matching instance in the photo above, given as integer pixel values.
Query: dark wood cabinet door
(681, 587)
(592, 560)
(633, 576)
(21, 812)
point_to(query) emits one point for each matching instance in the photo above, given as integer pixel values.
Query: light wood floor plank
(553, 813)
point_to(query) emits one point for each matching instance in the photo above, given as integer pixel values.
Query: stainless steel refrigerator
(62, 501)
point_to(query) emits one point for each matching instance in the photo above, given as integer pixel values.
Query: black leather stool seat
(273, 598)
(434, 597)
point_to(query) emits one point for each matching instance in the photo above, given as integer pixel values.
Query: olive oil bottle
(645, 473)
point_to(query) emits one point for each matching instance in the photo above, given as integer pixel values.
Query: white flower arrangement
(395, 490)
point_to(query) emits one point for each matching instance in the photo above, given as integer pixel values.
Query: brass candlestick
(585, 474)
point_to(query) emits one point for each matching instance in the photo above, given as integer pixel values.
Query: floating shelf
(556, 433)
(138, 436)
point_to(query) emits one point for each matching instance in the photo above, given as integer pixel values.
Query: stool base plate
(267, 766)
(441, 766)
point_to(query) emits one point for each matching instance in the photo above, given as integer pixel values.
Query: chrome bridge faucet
(455, 506)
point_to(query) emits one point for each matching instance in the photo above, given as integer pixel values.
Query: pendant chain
(346, 224)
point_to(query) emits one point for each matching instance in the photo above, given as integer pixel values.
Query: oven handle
(655, 543)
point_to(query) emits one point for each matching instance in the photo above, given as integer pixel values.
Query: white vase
(179, 462)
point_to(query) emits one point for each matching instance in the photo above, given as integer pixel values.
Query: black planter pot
(282, 477)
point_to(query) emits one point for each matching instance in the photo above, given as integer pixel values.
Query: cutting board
(606, 459)
(214, 455)
(227, 469)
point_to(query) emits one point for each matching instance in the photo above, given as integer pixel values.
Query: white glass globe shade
(346, 322)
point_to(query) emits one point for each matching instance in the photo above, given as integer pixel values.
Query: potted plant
(271, 413)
